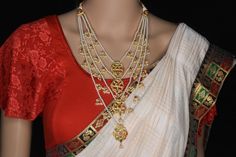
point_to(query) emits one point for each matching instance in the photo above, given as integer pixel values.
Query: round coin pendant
(117, 69)
(120, 133)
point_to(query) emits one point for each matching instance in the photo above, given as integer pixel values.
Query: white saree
(159, 125)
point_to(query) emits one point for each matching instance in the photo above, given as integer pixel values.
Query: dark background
(212, 19)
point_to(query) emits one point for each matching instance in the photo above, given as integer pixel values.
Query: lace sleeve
(21, 70)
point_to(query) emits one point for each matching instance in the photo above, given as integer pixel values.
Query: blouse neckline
(69, 50)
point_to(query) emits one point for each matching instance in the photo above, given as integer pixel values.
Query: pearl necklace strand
(88, 27)
(120, 111)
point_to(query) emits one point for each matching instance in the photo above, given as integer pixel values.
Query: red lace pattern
(28, 71)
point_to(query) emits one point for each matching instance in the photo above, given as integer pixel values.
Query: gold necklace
(118, 110)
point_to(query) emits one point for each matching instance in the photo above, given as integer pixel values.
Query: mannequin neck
(112, 13)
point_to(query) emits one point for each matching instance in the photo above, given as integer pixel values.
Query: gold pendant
(117, 86)
(118, 107)
(98, 102)
(117, 69)
(130, 110)
(120, 133)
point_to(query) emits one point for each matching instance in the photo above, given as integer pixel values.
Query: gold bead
(120, 120)
(130, 54)
(139, 47)
(144, 73)
(135, 42)
(103, 70)
(87, 34)
(83, 42)
(102, 53)
(84, 63)
(140, 65)
(96, 42)
(130, 110)
(136, 99)
(91, 46)
(96, 59)
(99, 87)
(131, 69)
(140, 85)
(135, 59)
(130, 89)
(99, 77)
(79, 12)
(145, 42)
(135, 76)
(145, 12)
(138, 69)
(105, 90)
(94, 74)
(82, 53)
(98, 102)
(92, 65)
(139, 34)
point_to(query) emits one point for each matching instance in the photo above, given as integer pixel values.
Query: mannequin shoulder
(159, 26)
(160, 34)
(68, 21)
(161, 29)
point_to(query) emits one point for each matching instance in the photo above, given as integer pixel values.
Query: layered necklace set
(95, 57)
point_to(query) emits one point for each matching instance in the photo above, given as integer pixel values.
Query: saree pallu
(177, 94)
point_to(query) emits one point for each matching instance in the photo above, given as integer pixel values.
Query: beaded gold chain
(93, 60)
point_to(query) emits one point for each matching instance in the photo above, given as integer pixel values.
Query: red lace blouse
(39, 76)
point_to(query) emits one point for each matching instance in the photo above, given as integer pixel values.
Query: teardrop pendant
(120, 133)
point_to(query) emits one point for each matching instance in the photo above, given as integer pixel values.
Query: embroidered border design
(75, 145)
(79, 142)
(215, 67)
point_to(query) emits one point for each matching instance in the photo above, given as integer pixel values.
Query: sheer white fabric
(159, 125)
